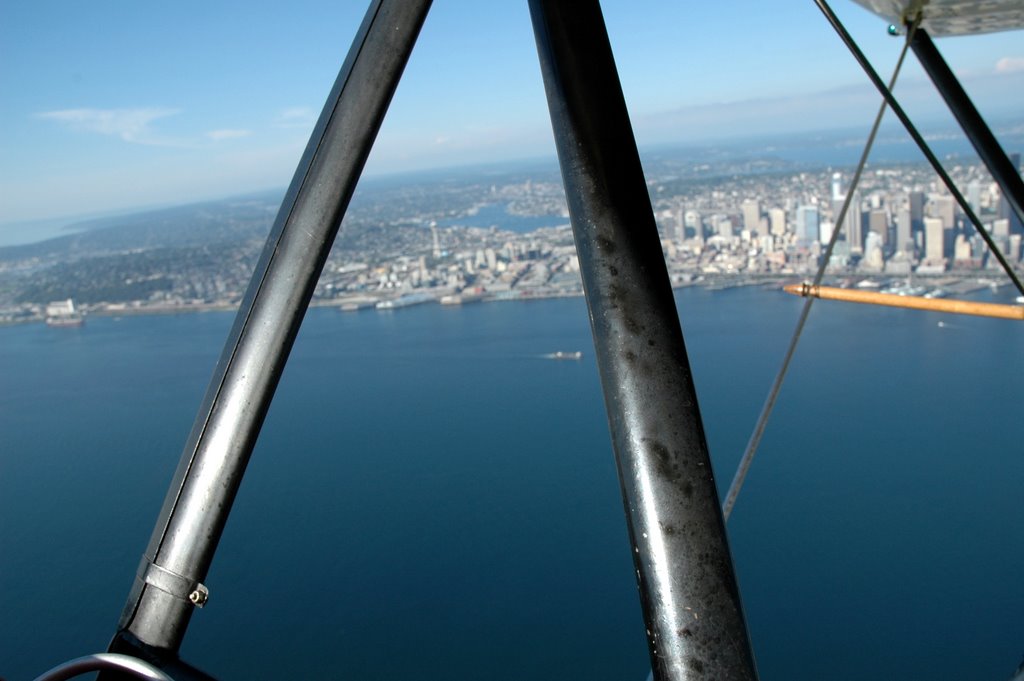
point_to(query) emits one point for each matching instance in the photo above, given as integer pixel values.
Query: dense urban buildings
(462, 239)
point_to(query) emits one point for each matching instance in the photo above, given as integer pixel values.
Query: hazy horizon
(115, 110)
(24, 232)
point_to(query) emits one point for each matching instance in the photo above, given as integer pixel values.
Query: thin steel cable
(773, 394)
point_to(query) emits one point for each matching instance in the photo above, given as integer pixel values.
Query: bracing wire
(773, 394)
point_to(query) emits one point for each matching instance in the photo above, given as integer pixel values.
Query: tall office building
(806, 225)
(852, 224)
(723, 225)
(961, 249)
(873, 252)
(916, 212)
(825, 229)
(904, 240)
(878, 222)
(693, 221)
(974, 196)
(943, 207)
(777, 218)
(934, 239)
(679, 232)
(852, 227)
(751, 209)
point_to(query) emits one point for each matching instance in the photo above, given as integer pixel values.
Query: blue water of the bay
(432, 499)
(496, 214)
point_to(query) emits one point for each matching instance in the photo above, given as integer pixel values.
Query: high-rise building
(1000, 231)
(723, 225)
(680, 224)
(873, 252)
(916, 212)
(692, 221)
(878, 222)
(974, 196)
(852, 223)
(942, 207)
(825, 229)
(777, 217)
(904, 240)
(751, 210)
(934, 239)
(806, 225)
(961, 249)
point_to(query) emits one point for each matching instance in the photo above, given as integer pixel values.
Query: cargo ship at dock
(62, 313)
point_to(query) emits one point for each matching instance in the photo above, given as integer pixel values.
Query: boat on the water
(62, 313)
(406, 301)
(564, 355)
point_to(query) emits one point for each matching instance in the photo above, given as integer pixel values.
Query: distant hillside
(200, 224)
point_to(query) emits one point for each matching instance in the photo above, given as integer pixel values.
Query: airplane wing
(952, 17)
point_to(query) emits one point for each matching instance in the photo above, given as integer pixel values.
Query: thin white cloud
(1010, 65)
(130, 125)
(227, 134)
(296, 117)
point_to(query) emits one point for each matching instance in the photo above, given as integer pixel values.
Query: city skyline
(125, 108)
(507, 237)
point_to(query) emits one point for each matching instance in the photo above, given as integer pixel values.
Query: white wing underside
(952, 17)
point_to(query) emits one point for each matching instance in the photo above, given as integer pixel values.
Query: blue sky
(117, 105)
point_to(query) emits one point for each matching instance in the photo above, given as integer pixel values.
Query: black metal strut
(688, 592)
(974, 126)
(168, 585)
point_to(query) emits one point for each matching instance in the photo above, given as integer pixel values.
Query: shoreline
(953, 283)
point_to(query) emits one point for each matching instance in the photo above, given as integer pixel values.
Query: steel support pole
(688, 592)
(169, 583)
(974, 126)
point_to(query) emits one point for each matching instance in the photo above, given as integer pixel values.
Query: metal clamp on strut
(171, 582)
